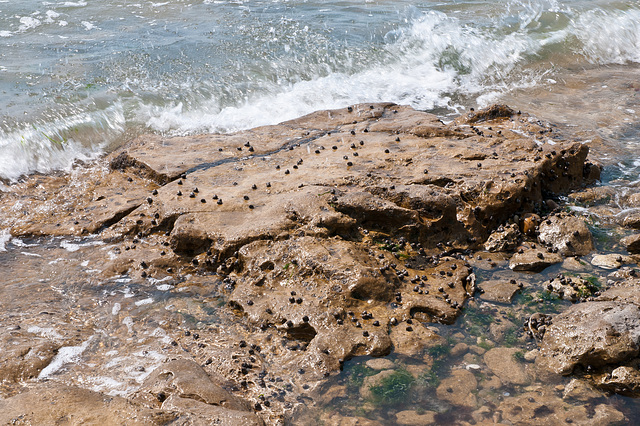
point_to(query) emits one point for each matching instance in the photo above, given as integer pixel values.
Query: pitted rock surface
(566, 233)
(591, 334)
(335, 235)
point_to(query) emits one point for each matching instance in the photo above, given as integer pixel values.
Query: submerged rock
(544, 408)
(503, 363)
(459, 389)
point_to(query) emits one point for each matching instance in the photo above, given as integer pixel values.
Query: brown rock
(631, 243)
(380, 364)
(623, 380)
(412, 343)
(548, 409)
(503, 363)
(566, 233)
(529, 224)
(503, 239)
(627, 292)
(412, 418)
(580, 390)
(371, 381)
(610, 261)
(50, 403)
(201, 413)
(632, 220)
(498, 291)
(590, 334)
(534, 260)
(593, 196)
(458, 389)
(186, 379)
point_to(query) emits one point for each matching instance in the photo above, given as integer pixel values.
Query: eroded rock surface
(592, 334)
(335, 235)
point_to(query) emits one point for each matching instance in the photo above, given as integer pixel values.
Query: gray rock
(504, 239)
(568, 234)
(590, 334)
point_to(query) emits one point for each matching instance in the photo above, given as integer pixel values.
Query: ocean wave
(56, 145)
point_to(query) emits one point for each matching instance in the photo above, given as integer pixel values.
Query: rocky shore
(341, 234)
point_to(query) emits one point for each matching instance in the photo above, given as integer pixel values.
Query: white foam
(49, 146)
(5, 237)
(68, 246)
(609, 36)
(47, 332)
(66, 355)
(116, 309)
(88, 25)
(435, 56)
(27, 23)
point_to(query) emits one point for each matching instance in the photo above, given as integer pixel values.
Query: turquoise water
(78, 78)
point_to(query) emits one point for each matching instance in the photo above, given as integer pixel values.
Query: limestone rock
(593, 196)
(380, 364)
(458, 389)
(534, 260)
(580, 390)
(624, 380)
(502, 362)
(375, 380)
(632, 220)
(548, 409)
(412, 418)
(566, 233)
(610, 261)
(631, 243)
(590, 334)
(503, 239)
(49, 403)
(201, 413)
(413, 342)
(626, 292)
(498, 291)
(186, 379)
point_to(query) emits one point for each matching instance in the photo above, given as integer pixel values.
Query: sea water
(80, 78)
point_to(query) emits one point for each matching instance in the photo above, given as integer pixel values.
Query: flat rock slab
(458, 389)
(498, 291)
(547, 409)
(503, 363)
(51, 403)
(533, 260)
(590, 334)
